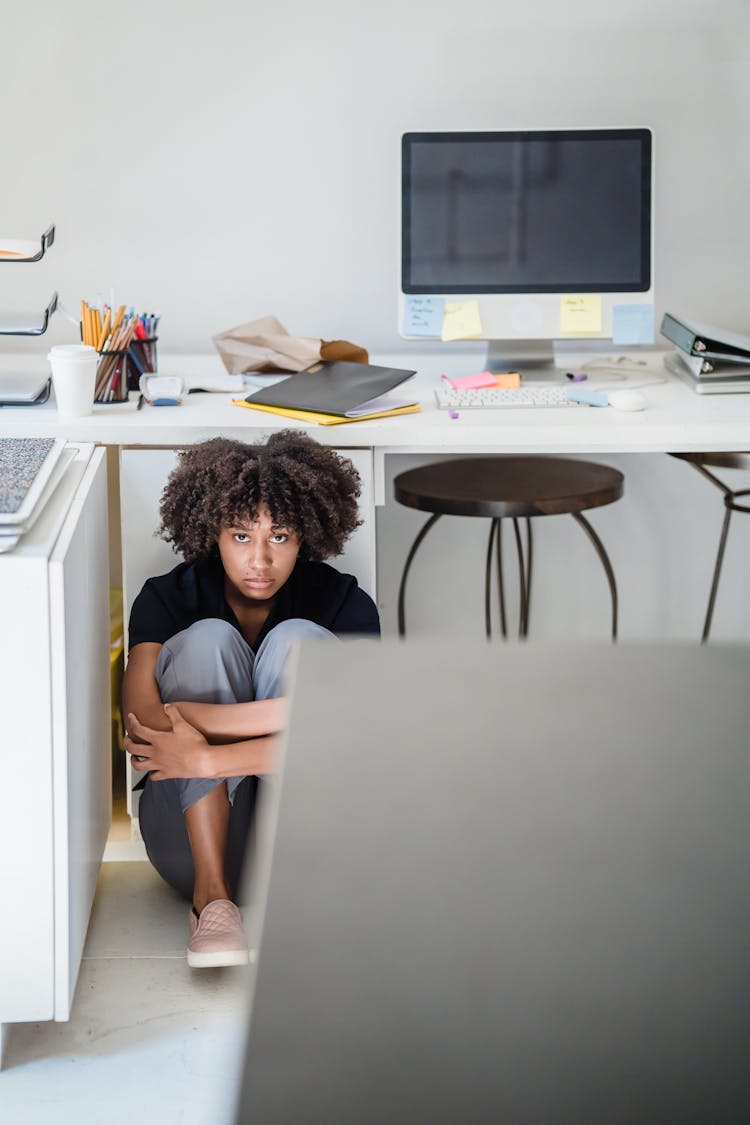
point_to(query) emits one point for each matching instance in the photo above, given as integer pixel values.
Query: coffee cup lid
(70, 351)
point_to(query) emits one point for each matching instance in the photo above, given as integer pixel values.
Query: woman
(208, 644)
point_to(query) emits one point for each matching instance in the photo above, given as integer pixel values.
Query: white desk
(676, 420)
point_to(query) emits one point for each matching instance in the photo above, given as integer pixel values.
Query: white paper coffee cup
(73, 369)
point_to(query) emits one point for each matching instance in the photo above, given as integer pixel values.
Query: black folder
(331, 388)
(706, 340)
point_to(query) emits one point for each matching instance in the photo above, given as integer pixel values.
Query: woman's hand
(179, 752)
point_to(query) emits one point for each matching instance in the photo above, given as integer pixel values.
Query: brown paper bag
(265, 345)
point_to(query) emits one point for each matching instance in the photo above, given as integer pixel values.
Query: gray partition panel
(508, 885)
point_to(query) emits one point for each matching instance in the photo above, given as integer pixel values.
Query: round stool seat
(716, 460)
(504, 486)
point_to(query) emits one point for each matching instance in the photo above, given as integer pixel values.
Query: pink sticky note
(473, 382)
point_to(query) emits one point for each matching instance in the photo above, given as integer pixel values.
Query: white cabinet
(55, 800)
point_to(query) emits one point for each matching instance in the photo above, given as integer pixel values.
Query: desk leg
(378, 477)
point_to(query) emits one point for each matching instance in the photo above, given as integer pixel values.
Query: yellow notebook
(324, 419)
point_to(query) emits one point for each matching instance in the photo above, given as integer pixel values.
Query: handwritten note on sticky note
(633, 324)
(461, 321)
(580, 313)
(423, 316)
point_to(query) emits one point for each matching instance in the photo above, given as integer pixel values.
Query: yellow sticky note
(582, 313)
(461, 321)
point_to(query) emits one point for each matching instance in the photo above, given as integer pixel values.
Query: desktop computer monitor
(526, 238)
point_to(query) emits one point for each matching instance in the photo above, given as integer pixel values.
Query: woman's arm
(182, 751)
(219, 722)
(227, 722)
(140, 691)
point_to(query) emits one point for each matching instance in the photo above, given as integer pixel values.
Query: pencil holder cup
(143, 360)
(112, 377)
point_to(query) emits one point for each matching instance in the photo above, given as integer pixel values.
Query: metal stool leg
(731, 505)
(496, 539)
(524, 568)
(500, 582)
(407, 565)
(717, 568)
(529, 551)
(487, 573)
(604, 558)
(523, 616)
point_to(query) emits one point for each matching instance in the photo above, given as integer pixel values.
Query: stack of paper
(17, 249)
(30, 469)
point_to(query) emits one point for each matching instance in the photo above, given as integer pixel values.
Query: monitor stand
(534, 360)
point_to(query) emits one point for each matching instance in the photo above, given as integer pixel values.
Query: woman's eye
(240, 537)
(279, 537)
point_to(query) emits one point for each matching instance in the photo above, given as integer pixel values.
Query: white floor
(147, 1036)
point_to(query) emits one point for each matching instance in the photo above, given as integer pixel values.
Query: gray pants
(212, 663)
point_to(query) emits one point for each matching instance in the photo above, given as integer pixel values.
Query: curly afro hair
(307, 488)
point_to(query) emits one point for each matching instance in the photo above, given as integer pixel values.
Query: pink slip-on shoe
(217, 936)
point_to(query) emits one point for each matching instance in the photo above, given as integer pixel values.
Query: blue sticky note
(633, 324)
(423, 316)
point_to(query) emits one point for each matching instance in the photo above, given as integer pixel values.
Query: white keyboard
(491, 398)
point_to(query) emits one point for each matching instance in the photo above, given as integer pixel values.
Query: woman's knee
(211, 634)
(273, 654)
(209, 662)
(297, 629)
(278, 642)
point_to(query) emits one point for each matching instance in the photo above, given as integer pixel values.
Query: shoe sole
(218, 960)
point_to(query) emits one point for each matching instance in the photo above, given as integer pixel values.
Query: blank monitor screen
(527, 212)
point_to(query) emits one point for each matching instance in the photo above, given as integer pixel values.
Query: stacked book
(711, 360)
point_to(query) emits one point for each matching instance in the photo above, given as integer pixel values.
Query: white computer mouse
(627, 400)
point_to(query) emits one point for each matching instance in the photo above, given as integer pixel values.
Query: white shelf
(18, 251)
(21, 326)
(14, 251)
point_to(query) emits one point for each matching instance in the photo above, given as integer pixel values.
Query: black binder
(706, 340)
(331, 388)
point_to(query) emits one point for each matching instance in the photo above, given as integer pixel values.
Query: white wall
(220, 161)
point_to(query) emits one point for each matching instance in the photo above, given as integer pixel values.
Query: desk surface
(676, 418)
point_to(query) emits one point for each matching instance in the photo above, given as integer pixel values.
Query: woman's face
(258, 557)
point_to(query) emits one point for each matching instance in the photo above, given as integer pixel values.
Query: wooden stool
(699, 461)
(516, 488)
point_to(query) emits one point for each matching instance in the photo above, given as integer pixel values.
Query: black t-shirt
(194, 591)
